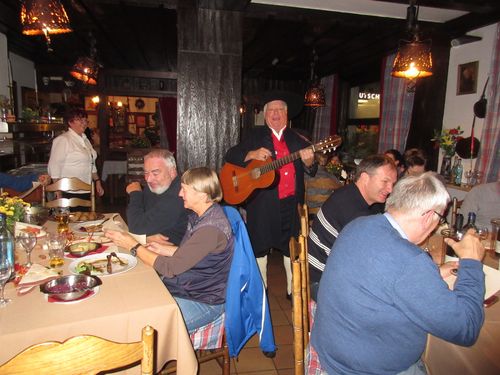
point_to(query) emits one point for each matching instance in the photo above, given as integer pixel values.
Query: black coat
(263, 206)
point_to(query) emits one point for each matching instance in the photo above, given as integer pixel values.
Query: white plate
(77, 227)
(96, 290)
(117, 268)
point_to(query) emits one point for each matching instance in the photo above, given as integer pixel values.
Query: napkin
(36, 275)
(20, 226)
(96, 251)
(491, 280)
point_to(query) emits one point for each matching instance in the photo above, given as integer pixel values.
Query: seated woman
(196, 271)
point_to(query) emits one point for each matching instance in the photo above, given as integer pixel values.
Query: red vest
(286, 173)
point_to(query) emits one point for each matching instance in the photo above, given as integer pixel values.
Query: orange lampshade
(44, 17)
(315, 96)
(86, 70)
(413, 60)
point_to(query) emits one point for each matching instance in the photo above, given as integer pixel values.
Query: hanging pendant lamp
(86, 68)
(44, 17)
(315, 94)
(413, 59)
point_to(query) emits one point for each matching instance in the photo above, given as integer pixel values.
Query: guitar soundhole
(255, 173)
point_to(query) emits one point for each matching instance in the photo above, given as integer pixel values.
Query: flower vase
(446, 168)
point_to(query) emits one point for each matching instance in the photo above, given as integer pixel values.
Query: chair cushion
(209, 336)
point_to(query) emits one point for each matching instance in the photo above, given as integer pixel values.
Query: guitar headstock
(330, 143)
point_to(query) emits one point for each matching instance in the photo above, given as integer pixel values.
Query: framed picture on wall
(131, 119)
(132, 129)
(467, 78)
(28, 97)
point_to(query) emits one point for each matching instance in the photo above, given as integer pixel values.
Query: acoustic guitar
(239, 182)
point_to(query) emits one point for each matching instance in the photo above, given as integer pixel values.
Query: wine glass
(6, 270)
(482, 232)
(468, 175)
(28, 242)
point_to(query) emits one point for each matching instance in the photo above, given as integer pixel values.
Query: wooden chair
(83, 355)
(304, 220)
(317, 191)
(33, 196)
(209, 342)
(300, 299)
(70, 184)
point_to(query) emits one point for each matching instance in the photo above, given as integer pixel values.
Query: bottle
(6, 240)
(454, 170)
(458, 173)
(454, 208)
(456, 234)
(471, 222)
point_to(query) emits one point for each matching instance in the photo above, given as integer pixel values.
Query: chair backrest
(297, 311)
(317, 190)
(83, 355)
(304, 220)
(70, 184)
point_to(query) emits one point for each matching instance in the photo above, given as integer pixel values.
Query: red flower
(454, 131)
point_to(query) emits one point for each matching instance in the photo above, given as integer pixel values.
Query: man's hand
(307, 156)
(133, 186)
(158, 238)
(121, 239)
(259, 154)
(469, 247)
(448, 269)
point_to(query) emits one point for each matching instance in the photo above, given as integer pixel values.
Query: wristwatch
(133, 250)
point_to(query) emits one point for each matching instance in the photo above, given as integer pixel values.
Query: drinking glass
(468, 175)
(56, 243)
(62, 217)
(6, 270)
(28, 242)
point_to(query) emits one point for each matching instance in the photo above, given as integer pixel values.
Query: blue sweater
(379, 297)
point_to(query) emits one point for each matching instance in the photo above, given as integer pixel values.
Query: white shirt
(72, 155)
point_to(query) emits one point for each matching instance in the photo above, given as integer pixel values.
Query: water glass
(56, 243)
(6, 271)
(495, 235)
(28, 242)
(62, 217)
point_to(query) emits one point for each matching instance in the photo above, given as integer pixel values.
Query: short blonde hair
(203, 180)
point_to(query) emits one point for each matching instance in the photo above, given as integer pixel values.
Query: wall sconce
(315, 95)
(44, 17)
(413, 59)
(87, 68)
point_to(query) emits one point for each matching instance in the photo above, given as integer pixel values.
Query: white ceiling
(369, 8)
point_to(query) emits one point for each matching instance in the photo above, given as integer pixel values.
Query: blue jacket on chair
(247, 309)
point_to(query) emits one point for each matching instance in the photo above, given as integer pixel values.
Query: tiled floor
(251, 360)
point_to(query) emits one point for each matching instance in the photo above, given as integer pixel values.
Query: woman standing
(196, 271)
(72, 155)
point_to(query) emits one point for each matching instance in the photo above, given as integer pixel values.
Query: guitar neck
(278, 163)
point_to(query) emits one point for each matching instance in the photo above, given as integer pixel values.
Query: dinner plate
(84, 228)
(81, 217)
(116, 267)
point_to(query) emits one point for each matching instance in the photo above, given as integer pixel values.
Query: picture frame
(467, 78)
(131, 119)
(132, 129)
(140, 120)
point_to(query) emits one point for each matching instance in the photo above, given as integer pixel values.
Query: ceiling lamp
(44, 17)
(414, 59)
(86, 68)
(315, 95)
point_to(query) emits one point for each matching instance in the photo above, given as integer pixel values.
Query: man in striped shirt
(375, 177)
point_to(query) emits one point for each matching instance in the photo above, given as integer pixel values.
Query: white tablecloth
(113, 167)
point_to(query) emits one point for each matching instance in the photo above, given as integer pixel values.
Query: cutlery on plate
(119, 260)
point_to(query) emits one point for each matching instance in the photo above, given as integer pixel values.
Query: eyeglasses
(442, 219)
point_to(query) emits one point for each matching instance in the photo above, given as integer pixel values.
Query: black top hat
(463, 148)
(293, 101)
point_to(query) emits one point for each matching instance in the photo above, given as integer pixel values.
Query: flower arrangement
(13, 207)
(447, 140)
(335, 168)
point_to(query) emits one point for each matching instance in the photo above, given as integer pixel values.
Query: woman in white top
(72, 155)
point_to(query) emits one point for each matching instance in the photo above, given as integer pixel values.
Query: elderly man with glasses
(158, 209)
(381, 294)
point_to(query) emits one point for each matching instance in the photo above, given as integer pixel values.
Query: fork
(122, 263)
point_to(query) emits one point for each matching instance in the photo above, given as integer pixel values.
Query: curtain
(488, 160)
(396, 110)
(168, 130)
(325, 122)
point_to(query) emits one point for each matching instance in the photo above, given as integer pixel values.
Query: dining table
(117, 311)
(482, 358)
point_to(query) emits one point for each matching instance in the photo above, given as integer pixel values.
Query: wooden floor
(251, 360)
